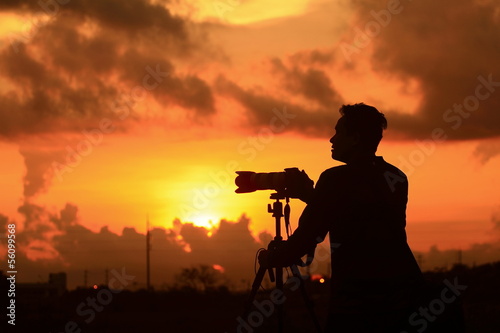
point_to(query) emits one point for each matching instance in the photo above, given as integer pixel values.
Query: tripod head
(277, 212)
(278, 196)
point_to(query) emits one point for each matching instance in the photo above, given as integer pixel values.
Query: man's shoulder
(389, 168)
(343, 170)
(336, 171)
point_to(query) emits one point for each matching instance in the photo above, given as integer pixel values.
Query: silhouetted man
(362, 204)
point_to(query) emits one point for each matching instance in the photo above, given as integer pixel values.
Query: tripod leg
(307, 300)
(279, 307)
(255, 287)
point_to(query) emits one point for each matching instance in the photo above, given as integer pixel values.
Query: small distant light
(219, 268)
(95, 286)
(321, 280)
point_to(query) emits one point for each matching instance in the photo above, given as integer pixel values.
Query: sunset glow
(203, 220)
(106, 120)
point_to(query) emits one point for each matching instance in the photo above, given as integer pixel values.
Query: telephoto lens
(249, 181)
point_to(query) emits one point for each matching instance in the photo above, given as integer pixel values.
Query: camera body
(249, 181)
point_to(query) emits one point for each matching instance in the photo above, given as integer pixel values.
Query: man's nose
(332, 140)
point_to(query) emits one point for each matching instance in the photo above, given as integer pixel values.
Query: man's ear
(355, 139)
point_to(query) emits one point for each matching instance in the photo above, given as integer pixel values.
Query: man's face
(343, 144)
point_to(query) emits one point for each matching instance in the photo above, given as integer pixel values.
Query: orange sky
(226, 73)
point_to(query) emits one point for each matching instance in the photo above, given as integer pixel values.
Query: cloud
(451, 51)
(476, 254)
(75, 67)
(261, 108)
(92, 62)
(486, 150)
(57, 241)
(311, 83)
(448, 51)
(134, 16)
(86, 43)
(4, 221)
(38, 169)
(495, 219)
(231, 246)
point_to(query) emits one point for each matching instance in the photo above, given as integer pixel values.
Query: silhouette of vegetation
(215, 309)
(201, 278)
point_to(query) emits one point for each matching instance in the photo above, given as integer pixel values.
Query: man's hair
(365, 120)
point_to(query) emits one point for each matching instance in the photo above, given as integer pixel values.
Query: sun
(205, 220)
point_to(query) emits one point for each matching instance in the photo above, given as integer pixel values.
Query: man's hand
(300, 186)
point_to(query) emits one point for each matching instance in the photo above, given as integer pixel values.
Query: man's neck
(361, 158)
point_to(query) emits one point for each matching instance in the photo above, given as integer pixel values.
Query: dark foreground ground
(219, 310)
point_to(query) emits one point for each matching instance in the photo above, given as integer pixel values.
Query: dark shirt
(363, 207)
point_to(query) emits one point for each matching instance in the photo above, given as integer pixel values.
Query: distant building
(58, 281)
(56, 287)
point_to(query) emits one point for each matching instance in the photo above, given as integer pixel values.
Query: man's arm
(312, 229)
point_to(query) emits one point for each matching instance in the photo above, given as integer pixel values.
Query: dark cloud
(476, 254)
(73, 70)
(450, 51)
(311, 83)
(231, 246)
(57, 241)
(4, 221)
(134, 15)
(189, 92)
(487, 150)
(89, 62)
(67, 218)
(236, 248)
(262, 108)
(313, 57)
(495, 219)
(53, 242)
(38, 224)
(39, 172)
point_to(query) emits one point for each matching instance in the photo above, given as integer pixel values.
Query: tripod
(277, 213)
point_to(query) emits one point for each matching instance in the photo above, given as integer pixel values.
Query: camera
(249, 181)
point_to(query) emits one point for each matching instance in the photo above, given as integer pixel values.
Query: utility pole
(148, 249)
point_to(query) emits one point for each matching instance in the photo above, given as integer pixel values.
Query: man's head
(358, 132)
